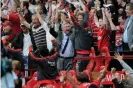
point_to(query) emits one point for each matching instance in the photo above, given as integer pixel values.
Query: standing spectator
(119, 34)
(65, 41)
(83, 37)
(42, 38)
(13, 17)
(23, 41)
(104, 32)
(128, 32)
(118, 29)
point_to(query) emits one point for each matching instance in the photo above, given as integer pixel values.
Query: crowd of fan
(46, 35)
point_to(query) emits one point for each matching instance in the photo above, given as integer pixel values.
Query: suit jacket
(129, 31)
(60, 38)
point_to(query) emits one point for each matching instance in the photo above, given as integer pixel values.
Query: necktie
(65, 45)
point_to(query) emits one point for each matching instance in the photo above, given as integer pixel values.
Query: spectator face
(12, 10)
(128, 11)
(120, 20)
(66, 27)
(24, 28)
(120, 11)
(101, 23)
(80, 19)
(97, 3)
(35, 21)
(91, 13)
(7, 28)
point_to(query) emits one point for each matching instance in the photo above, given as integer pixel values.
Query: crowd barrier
(103, 55)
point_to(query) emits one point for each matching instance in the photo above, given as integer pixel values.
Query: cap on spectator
(7, 23)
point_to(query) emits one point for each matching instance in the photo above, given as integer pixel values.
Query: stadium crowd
(46, 35)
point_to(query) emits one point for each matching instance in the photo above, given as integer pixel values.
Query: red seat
(91, 62)
(32, 82)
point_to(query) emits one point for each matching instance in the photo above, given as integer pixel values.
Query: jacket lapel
(131, 21)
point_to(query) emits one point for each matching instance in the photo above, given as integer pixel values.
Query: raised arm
(74, 20)
(96, 20)
(102, 75)
(37, 9)
(82, 4)
(105, 21)
(23, 21)
(113, 27)
(125, 65)
(86, 16)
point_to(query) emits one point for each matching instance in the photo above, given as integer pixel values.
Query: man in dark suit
(128, 30)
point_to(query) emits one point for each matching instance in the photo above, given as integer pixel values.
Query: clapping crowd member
(47, 35)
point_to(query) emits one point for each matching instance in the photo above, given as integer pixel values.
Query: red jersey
(14, 19)
(103, 38)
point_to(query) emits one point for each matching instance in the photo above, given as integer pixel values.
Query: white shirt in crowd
(8, 80)
(27, 44)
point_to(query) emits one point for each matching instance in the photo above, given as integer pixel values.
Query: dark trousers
(125, 46)
(64, 63)
(81, 64)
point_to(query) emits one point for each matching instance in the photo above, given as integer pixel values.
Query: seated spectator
(6, 31)
(17, 69)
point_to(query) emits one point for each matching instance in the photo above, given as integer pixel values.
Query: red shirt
(103, 38)
(84, 85)
(14, 19)
(118, 36)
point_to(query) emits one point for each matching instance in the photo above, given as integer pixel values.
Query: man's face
(91, 13)
(35, 22)
(66, 27)
(128, 11)
(7, 29)
(120, 20)
(24, 29)
(12, 10)
(101, 23)
(80, 19)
